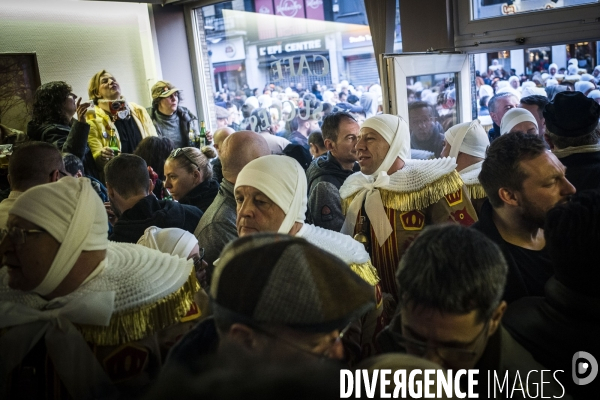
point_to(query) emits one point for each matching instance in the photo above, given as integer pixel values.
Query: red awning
(226, 67)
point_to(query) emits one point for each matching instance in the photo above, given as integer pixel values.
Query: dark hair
(155, 150)
(572, 236)
(415, 105)
(353, 99)
(247, 110)
(49, 101)
(483, 102)
(331, 124)
(201, 160)
(127, 174)
(501, 168)
(316, 138)
(536, 100)
(452, 269)
(492, 102)
(31, 164)
(263, 120)
(73, 164)
(562, 142)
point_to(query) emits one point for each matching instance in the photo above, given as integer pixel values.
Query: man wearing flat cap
(270, 193)
(222, 117)
(573, 133)
(170, 119)
(389, 202)
(82, 317)
(467, 142)
(272, 297)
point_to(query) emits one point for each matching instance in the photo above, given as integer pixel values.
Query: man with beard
(523, 181)
(327, 173)
(425, 132)
(133, 206)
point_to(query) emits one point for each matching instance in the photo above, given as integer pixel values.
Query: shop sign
(290, 47)
(289, 8)
(357, 38)
(278, 66)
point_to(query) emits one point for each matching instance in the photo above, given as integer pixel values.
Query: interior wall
(173, 50)
(75, 39)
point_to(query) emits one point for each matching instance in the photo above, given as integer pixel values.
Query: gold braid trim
(136, 324)
(419, 199)
(476, 191)
(367, 272)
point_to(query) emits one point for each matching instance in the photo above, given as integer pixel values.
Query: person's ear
(79, 174)
(243, 335)
(508, 196)
(497, 317)
(150, 186)
(328, 144)
(55, 176)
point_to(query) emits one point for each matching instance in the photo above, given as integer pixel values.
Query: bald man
(218, 138)
(217, 226)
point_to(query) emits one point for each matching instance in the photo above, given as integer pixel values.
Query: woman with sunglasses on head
(189, 176)
(118, 126)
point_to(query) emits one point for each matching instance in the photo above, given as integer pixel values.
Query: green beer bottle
(112, 142)
(202, 136)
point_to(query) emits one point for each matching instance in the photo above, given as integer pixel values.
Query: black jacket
(202, 195)
(152, 212)
(327, 169)
(583, 170)
(528, 270)
(69, 139)
(555, 327)
(186, 118)
(494, 132)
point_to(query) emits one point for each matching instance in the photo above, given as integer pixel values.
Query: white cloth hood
(469, 138)
(283, 181)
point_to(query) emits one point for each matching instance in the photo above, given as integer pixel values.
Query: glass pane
(481, 9)
(432, 110)
(287, 55)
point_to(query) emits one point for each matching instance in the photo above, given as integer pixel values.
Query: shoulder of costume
(416, 186)
(470, 177)
(344, 247)
(153, 291)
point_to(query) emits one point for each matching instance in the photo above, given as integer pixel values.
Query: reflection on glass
(481, 9)
(432, 110)
(292, 60)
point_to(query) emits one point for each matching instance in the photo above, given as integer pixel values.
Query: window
(269, 53)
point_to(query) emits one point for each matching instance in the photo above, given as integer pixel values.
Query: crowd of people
(136, 265)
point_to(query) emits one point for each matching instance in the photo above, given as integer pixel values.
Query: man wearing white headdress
(393, 198)
(271, 196)
(519, 119)
(467, 143)
(104, 310)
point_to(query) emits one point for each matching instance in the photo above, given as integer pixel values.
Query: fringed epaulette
(136, 324)
(418, 199)
(367, 272)
(476, 191)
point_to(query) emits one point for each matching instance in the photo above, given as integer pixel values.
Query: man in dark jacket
(133, 207)
(498, 106)
(523, 181)
(327, 173)
(425, 132)
(451, 312)
(564, 322)
(573, 133)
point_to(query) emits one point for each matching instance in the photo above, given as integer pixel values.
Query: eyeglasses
(175, 153)
(320, 356)
(448, 354)
(16, 235)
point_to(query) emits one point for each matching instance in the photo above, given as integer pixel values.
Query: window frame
(536, 28)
